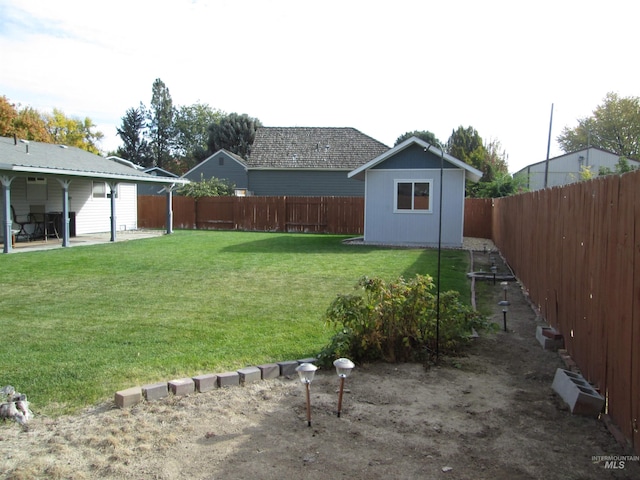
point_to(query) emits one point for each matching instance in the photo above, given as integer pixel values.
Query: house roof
(314, 148)
(470, 173)
(27, 157)
(219, 153)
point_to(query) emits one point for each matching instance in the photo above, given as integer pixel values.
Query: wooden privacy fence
(339, 215)
(576, 249)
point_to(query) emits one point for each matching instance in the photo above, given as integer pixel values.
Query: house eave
(101, 175)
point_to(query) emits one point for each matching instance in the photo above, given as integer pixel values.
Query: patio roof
(37, 158)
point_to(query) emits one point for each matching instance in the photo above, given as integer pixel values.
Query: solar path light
(505, 306)
(343, 369)
(504, 286)
(306, 371)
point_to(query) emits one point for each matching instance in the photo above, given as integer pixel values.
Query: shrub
(396, 321)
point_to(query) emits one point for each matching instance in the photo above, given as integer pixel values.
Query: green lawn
(81, 323)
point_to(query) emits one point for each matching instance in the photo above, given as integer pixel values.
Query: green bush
(396, 321)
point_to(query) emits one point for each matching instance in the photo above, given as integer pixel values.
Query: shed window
(413, 196)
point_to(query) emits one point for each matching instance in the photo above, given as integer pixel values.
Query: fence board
(575, 250)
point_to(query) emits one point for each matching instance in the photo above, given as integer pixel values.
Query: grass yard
(81, 323)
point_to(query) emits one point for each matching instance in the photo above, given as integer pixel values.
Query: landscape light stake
(504, 304)
(306, 372)
(504, 286)
(343, 369)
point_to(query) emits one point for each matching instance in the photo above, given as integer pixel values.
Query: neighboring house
(299, 161)
(222, 165)
(567, 168)
(403, 192)
(150, 188)
(47, 181)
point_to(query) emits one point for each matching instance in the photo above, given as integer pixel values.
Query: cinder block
(206, 382)
(155, 391)
(182, 386)
(228, 379)
(249, 375)
(269, 370)
(128, 397)
(577, 393)
(549, 338)
(307, 360)
(288, 368)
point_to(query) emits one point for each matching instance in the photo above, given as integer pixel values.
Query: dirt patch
(490, 414)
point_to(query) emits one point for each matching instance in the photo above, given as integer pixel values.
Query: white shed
(403, 192)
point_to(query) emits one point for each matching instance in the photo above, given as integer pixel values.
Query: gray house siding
(383, 225)
(220, 165)
(310, 183)
(566, 169)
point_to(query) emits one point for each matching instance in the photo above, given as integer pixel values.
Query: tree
(192, 131)
(234, 133)
(466, 144)
(135, 147)
(614, 126)
(213, 187)
(26, 123)
(160, 118)
(425, 135)
(73, 132)
(502, 185)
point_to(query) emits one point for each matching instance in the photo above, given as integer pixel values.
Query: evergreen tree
(161, 124)
(135, 147)
(234, 133)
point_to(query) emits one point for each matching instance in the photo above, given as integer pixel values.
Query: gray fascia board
(106, 176)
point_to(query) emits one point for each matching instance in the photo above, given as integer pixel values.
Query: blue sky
(384, 68)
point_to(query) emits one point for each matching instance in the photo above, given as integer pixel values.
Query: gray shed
(402, 196)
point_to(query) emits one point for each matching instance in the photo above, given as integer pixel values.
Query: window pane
(421, 196)
(404, 196)
(99, 190)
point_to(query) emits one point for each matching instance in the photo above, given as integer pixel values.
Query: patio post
(169, 190)
(8, 221)
(113, 187)
(65, 211)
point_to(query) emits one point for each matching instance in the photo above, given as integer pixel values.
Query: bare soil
(490, 414)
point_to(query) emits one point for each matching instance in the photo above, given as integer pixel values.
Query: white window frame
(95, 192)
(413, 182)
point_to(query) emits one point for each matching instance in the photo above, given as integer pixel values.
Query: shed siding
(231, 171)
(312, 183)
(384, 226)
(413, 156)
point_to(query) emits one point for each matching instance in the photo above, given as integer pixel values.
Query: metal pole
(439, 255)
(308, 406)
(340, 396)
(546, 163)
(504, 319)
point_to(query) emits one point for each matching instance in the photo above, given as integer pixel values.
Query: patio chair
(20, 221)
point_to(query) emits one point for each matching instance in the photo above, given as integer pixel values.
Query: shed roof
(315, 148)
(28, 157)
(470, 173)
